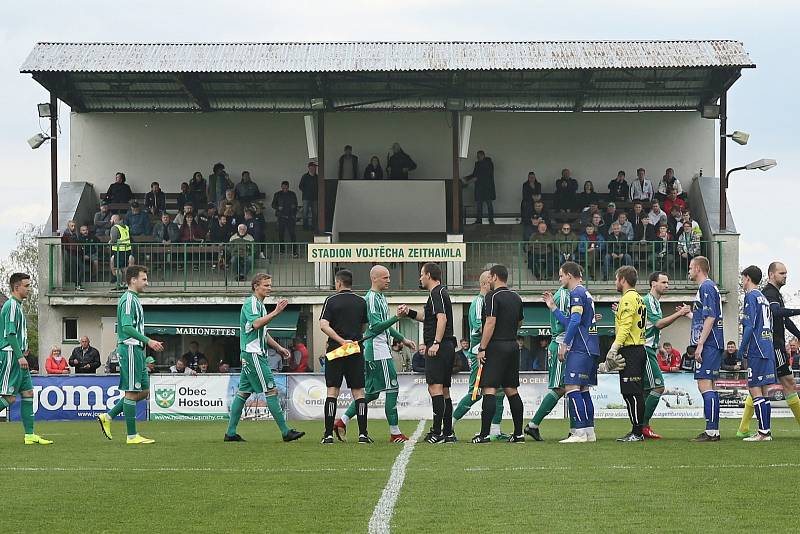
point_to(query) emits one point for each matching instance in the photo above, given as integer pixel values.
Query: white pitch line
(190, 469)
(629, 467)
(381, 519)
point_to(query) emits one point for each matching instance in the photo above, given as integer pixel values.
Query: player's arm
(441, 325)
(560, 316)
(572, 327)
(792, 328)
(666, 321)
(261, 322)
(710, 314)
(375, 325)
(781, 311)
(748, 332)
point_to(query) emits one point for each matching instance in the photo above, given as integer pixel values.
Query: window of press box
(70, 330)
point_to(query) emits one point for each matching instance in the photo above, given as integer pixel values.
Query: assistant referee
(629, 322)
(499, 353)
(343, 320)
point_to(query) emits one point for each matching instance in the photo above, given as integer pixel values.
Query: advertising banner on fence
(205, 397)
(59, 398)
(307, 394)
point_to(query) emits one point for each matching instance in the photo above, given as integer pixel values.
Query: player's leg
(492, 379)
(390, 404)
(586, 391)
(576, 365)
(555, 384)
(760, 374)
(653, 381)
(138, 385)
(630, 385)
(354, 374)
(334, 374)
(248, 383)
(447, 351)
(466, 401)
(434, 377)
(266, 383)
(510, 381)
(747, 415)
(25, 386)
(786, 379)
(706, 372)
(124, 379)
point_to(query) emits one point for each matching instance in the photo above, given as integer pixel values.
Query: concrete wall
(169, 147)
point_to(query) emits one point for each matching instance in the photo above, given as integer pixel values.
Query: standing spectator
(221, 231)
(532, 218)
(33, 362)
(309, 187)
(284, 202)
(72, 258)
(525, 356)
(588, 197)
(675, 221)
(540, 353)
(663, 251)
(673, 200)
(184, 197)
(121, 250)
(540, 253)
(530, 187)
(89, 252)
(56, 364)
(191, 231)
(102, 221)
(254, 226)
(247, 190)
(418, 359)
(730, 359)
(165, 231)
(625, 225)
(618, 189)
(688, 244)
(198, 191)
(566, 245)
(181, 368)
(399, 164)
(483, 176)
(138, 221)
(242, 252)
(668, 182)
(348, 165)
(119, 192)
(572, 184)
(639, 222)
(642, 188)
(590, 250)
(563, 198)
(299, 356)
(218, 183)
(373, 171)
(193, 357)
(616, 250)
(85, 358)
(155, 201)
(669, 359)
(656, 217)
(230, 200)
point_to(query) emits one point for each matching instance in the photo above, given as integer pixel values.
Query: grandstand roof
(530, 76)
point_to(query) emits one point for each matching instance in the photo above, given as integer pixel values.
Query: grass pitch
(190, 481)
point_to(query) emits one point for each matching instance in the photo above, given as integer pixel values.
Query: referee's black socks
(361, 415)
(330, 414)
(517, 410)
(447, 423)
(438, 412)
(488, 409)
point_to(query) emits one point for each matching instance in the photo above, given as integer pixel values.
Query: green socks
(275, 409)
(117, 409)
(390, 408)
(548, 403)
(26, 412)
(650, 405)
(236, 413)
(498, 411)
(129, 409)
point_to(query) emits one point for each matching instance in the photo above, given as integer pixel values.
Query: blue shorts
(593, 370)
(578, 368)
(709, 369)
(761, 372)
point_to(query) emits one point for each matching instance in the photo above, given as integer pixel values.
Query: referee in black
(499, 353)
(343, 320)
(437, 334)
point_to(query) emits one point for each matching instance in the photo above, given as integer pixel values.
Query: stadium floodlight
(317, 104)
(740, 138)
(45, 110)
(761, 165)
(37, 140)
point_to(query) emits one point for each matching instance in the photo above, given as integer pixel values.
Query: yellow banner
(371, 253)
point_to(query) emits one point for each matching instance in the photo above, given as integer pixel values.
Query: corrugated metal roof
(382, 56)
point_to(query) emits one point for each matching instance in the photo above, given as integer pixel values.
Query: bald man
(381, 375)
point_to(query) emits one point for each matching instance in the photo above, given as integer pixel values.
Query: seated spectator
(687, 217)
(688, 244)
(33, 362)
(348, 165)
(532, 218)
(588, 197)
(730, 358)
(299, 363)
(221, 231)
(218, 183)
(656, 217)
(198, 190)
(112, 363)
(155, 201)
(673, 200)
(56, 364)
(119, 192)
(191, 231)
(418, 359)
(625, 225)
(675, 221)
(616, 250)
(566, 245)
(373, 171)
(72, 258)
(687, 360)
(85, 358)
(401, 356)
(150, 364)
(231, 217)
(185, 197)
(309, 189)
(563, 197)
(224, 367)
(247, 190)
(90, 252)
(102, 221)
(590, 250)
(588, 212)
(642, 188)
(209, 217)
(242, 252)
(669, 181)
(663, 250)
(399, 164)
(618, 189)
(600, 225)
(530, 187)
(540, 353)
(181, 368)
(540, 253)
(254, 226)
(193, 356)
(230, 200)
(640, 223)
(202, 367)
(669, 359)
(165, 231)
(525, 356)
(138, 222)
(610, 215)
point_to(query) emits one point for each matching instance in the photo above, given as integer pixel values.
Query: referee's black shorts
(630, 378)
(782, 362)
(439, 368)
(350, 368)
(501, 368)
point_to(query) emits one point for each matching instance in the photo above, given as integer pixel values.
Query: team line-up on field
(360, 334)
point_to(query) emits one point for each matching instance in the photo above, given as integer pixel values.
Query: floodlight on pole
(740, 138)
(45, 110)
(761, 165)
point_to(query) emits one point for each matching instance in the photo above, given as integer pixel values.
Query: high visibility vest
(123, 244)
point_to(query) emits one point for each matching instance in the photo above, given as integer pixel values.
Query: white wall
(169, 147)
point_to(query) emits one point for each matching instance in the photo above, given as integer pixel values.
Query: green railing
(536, 263)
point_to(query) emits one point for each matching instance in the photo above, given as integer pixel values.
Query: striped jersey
(378, 345)
(250, 339)
(475, 323)
(129, 313)
(629, 320)
(561, 298)
(654, 314)
(13, 320)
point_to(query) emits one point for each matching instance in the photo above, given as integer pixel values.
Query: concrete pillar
(455, 269)
(323, 272)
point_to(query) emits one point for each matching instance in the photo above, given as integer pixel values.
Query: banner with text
(371, 253)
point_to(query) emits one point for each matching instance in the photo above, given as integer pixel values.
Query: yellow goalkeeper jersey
(629, 320)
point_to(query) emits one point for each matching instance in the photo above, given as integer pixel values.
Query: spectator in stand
(525, 356)
(209, 217)
(242, 252)
(348, 165)
(588, 197)
(102, 221)
(401, 356)
(540, 353)
(418, 359)
(587, 214)
(202, 367)
(563, 198)
(641, 188)
(165, 231)
(112, 363)
(667, 183)
(85, 358)
(221, 231)
(196, 192)
(230, 200)
(600, 225)
(610, 215)
(616, 250)
(669, 359)
(656, 217)
(639, 222)
(247, 190)
(193, 356)
(674, 200)
(625, 225)
(688, 359)
(590, 250)
(675, 221)
(121, 250)
(532, 219)
(461, 355)
(254, 226)
(191, 231)
(150, 364)
(56, 364)
(73, 260)
(181, 368)
(232, 220)
(181, 217)
(573, 184)
(223, 367)
(618, 189)
(663, 250)
(309, 188)
(530, 187)
(483, 177)
(89, 252)
(218, 183)
(373, 171)
(688, 245)
(540, 253)
(399, 164)
(284, 202)
(565, 246)
(793, 352)
(299, 356)
(33, 362)
(138, 221)
(730, 359)
(155, 201)
(687, 217)
(119, 192)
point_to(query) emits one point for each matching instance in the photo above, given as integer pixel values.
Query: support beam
(191, 85)
(723, 179)
(54, 161)
(455, 123)
(321, 217)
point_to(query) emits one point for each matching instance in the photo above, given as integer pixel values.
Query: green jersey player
(15, 377)
(134, 379)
